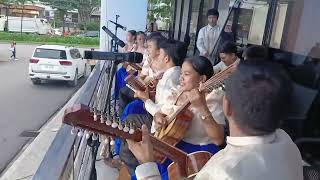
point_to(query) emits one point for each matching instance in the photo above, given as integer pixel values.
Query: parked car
(54, 62)
(90, 34)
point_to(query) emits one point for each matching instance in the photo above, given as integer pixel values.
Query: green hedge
(71, 40)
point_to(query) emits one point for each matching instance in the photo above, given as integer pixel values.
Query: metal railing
(71, 156)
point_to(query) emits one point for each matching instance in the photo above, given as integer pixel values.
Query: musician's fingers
(145, 134)
(131, 145)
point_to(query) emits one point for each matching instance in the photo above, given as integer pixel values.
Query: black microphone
(133, 57)
(119, 25)
(114, 37)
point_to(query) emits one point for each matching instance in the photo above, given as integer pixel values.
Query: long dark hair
(133, 33)
(201, 65)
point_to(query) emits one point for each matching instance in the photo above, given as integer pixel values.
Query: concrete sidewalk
(25, 166)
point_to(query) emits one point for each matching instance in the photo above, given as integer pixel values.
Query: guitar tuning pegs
(102, 118)
(88, 135)
(131, 131)
(95, 117)
(120, 126)
(114, 123)
(112, 142)
(80, 133)
(74, 130)
(106, 140)
(108, 121)
(95, 137)
(223, 87)
(126, 128)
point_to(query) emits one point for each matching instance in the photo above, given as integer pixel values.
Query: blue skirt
(120, 82)
(135, 107)
(188, 148)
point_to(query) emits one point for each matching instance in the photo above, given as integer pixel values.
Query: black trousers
(125, 154)
(126, 95)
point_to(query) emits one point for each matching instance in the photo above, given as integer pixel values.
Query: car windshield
(50, 53)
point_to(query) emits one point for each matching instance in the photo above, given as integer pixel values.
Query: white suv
(53, 62)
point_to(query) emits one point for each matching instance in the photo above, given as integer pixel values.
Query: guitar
(178, 122)
(133, 68)
(135, 84)
(140, 85)
(184, 165)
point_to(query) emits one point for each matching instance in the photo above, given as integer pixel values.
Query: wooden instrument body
(184, 165)
(137, 84)
(174, 131)
(133, 68)
(194, 163)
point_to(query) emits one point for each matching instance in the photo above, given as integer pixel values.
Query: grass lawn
(44, 39)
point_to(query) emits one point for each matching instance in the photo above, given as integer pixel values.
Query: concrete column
(103, 22)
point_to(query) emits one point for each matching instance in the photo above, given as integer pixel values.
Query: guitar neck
(135, 83)
(173, 153)
(80, 116)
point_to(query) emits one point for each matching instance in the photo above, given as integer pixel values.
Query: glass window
(248, 22)
(50, 53)
(197, 21)
(296, 39)
(75, 54)
(296, 28)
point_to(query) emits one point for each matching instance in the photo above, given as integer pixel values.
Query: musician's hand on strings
(198, 101)
(142, 150)
(143, 95)
(160, 120)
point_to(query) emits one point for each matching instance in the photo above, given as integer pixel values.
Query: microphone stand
(111, 73)
(114, 65)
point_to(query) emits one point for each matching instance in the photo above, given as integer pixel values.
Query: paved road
(24, 106)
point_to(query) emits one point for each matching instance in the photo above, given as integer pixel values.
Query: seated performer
(172, 54)
(140, 42)
(256, 148)
(128, 104)
(228, 55)
(126, 94)
(122, 72)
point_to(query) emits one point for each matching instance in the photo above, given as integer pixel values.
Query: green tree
(160, 9)
(62, 6)
(21, 3)
(85, 9)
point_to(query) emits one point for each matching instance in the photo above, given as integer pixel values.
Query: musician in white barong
(208, 35)
(228, 55)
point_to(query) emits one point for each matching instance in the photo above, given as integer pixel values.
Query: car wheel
(36, 81)
(74, 83)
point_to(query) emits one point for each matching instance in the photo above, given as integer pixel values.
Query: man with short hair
(255, 52)
(209, 34)
(256, 148)
(228, 55)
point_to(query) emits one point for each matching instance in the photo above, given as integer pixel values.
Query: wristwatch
(204, 117)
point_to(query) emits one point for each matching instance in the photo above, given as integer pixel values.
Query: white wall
(133, 15)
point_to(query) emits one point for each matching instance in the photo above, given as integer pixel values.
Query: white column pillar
(104, 44)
